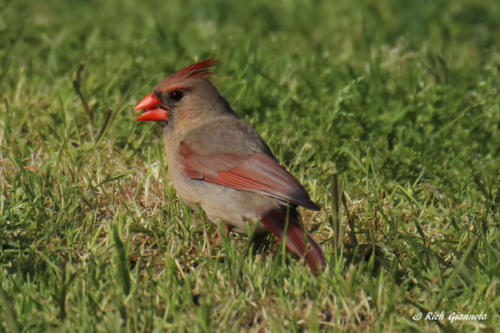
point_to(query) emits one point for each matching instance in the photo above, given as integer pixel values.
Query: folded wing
(252, 171)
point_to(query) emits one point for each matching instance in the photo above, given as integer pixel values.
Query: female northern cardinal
(216, 160)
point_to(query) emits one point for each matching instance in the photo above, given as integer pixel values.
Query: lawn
(387, 111)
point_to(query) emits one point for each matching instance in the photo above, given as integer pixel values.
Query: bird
(219, 162)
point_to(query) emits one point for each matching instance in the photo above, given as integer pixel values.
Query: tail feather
(275, 221)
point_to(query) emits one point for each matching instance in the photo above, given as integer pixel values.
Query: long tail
(275, 222)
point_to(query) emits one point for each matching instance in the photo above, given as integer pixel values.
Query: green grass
(399, 98)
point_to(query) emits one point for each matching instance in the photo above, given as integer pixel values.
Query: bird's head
(186, 94)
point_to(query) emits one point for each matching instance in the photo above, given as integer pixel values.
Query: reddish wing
(256, 172)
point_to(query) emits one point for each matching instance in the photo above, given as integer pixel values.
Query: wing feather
(255, 172)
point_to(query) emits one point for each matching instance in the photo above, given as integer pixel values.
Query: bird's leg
(227, 231)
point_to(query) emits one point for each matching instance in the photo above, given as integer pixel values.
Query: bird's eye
(176, 95)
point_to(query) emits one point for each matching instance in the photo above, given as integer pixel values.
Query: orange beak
(151, 107)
